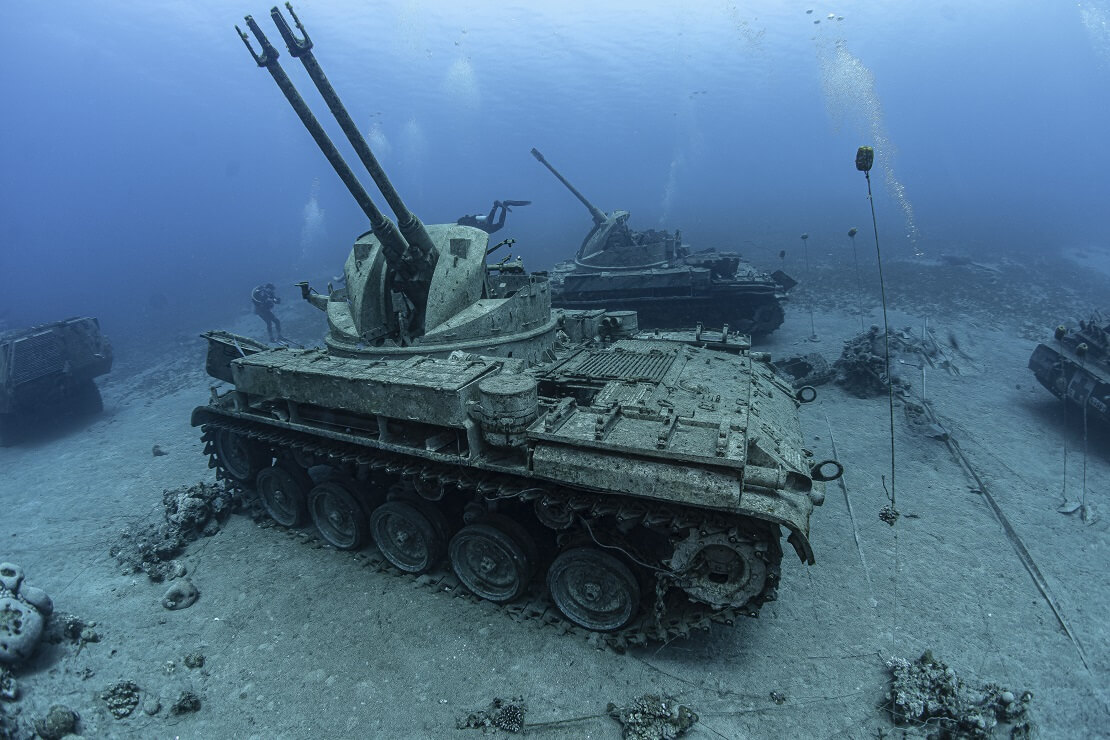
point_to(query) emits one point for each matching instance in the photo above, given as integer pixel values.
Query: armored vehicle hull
(639, 487)
(1076, 367)
(48, 370)
(677, 296)
(655, 274)
(631, 487)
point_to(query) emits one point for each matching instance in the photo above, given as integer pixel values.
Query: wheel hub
(724, 569)
(280, 497)
(486, 565)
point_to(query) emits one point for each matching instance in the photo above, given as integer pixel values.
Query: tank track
(673, 615)
(770, 315)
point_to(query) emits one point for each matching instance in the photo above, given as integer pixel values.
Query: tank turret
(611, 234)
(410, 288)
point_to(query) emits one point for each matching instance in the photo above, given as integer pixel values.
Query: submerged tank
(655, 274)
(47, 371)
(1076, 366)
(541, 459)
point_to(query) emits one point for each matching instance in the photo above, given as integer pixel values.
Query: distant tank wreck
(1076, 367)
(655, 274)
(47, 372)
(636, 488)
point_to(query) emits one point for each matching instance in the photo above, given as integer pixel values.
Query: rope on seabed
(1015, 539)
(851, 514)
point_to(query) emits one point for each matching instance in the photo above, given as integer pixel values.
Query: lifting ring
(817, 471)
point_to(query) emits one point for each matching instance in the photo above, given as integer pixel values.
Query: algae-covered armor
(48, 371)
(542, 460)
(653, 273)
(1075, 367)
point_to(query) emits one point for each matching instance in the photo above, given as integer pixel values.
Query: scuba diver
(264, 298)
(491, 222)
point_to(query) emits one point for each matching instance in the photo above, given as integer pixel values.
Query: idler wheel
(241, 458)
(593, 589)
(338, 516)
(490, 562)
(721, 570)
(406, 537)
(766, 318)
(284, 494)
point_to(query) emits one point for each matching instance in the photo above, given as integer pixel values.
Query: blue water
(152, 174)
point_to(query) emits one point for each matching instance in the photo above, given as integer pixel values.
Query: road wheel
(240, 457)
(490, 562)
(593, 589)
(338, 516)
(284, 494)
(406, 537)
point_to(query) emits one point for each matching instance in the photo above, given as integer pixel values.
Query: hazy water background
(151, 174)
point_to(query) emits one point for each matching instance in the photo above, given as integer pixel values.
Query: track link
(673, 615)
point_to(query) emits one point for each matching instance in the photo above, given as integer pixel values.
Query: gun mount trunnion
(632, 487)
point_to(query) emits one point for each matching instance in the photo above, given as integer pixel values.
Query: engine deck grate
(626, 365)
(36, 356)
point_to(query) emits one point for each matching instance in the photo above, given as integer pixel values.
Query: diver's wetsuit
(264, 298)
(486, 223)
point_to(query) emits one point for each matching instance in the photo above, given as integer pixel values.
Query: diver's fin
(516, 202)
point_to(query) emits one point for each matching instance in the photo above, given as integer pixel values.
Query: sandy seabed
(301, 640)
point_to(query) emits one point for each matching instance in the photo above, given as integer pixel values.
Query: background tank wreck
(48, 371)
(655, 274)
(1076, 368)
(633, 487)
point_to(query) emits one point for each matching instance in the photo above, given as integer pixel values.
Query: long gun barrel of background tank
(394, 245)
(423, 253)
(598, 215)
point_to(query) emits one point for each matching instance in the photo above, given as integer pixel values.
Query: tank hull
(1076, 367)
(631, 445)
(675, 297)
(653, 273)
(47, 371)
